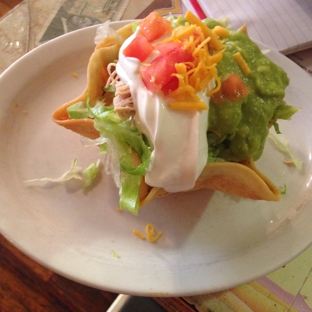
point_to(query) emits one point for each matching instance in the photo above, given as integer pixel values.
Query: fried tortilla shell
(242, 179)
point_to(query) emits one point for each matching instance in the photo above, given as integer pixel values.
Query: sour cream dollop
(178, 138)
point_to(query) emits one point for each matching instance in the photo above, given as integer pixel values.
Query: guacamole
(238, 130)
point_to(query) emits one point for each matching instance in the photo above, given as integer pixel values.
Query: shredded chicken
(123, 103)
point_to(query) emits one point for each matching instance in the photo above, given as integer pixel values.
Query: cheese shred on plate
(151, 234)
(138, 234)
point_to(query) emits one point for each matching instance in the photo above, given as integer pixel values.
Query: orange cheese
(194, 77)
(242, 63)
(138, 234)
(221, 31)
(217, 44)
(152, 235)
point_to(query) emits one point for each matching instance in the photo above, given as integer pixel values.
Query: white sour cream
(178, 138)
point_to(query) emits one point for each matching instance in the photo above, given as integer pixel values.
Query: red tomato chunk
(139, 48)
(154, 26)
(166, 47)
(158, 74)
(233, 88)
(171, 85)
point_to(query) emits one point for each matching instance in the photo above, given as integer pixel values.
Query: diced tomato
(232, 89)
(154, 26)
(157, 74)
(171, 85)
(166, 47)
(160, 70)
(139, 48)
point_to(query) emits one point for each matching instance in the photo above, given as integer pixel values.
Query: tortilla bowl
(238, 178)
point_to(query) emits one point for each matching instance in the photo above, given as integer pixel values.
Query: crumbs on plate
(115, 254)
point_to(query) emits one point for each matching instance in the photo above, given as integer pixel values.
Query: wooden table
(27, 286)
(7, 5)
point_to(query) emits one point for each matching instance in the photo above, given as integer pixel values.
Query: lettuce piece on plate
(90, 173)
(75, 172)
(283, 146)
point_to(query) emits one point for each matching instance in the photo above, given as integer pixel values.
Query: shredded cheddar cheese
(216, 58)
(216, 43)
(150, 196)
(217, 88)
(75, 75)
(188, 30)
(194, 77)
(242, 63)
(152, 236)
(288, 162)
(221, 31)
(138, 234)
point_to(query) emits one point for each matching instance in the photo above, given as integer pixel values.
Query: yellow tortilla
(241, 179)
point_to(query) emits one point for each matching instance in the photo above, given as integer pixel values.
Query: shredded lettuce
(104, 30)
(212, 23)
(176, 21)
(285, 111)
(108, 123)
(78, 111)
(86, 142)
(283, 146)
(123, 136)
(115, 254)
(110, 89)
(129, 193)
(75, 172)
(134, 26)
(276, 127)
(90, 173)
(81, 109)
(284, 191)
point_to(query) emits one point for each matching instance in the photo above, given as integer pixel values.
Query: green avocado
(238, 130)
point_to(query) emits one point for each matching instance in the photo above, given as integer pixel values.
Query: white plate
(211, 241)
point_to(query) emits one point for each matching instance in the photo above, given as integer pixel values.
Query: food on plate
(151, 234)
(180, 104)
